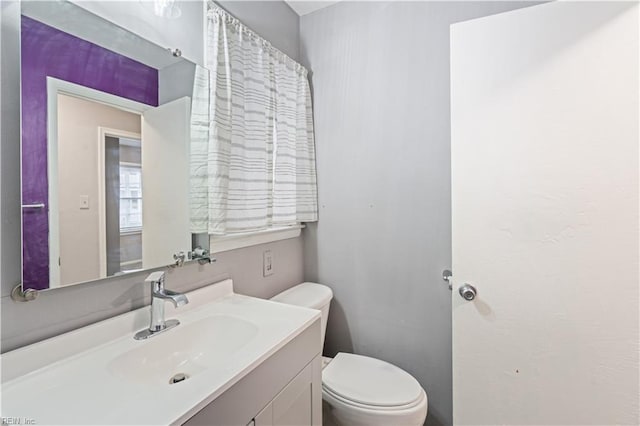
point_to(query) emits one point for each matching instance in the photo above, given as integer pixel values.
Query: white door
(545, 215)
(165, 182)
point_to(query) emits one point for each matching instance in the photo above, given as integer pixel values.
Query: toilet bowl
(359, 390)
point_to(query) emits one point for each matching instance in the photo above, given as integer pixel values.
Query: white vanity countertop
(70, 379)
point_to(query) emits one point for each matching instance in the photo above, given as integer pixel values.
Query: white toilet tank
(309, 295)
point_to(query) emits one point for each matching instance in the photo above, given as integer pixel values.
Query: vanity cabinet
(286, 389)
(293, 405)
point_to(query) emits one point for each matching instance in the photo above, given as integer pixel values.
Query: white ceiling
(303, 7)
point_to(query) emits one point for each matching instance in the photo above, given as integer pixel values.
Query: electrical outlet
(267, 263)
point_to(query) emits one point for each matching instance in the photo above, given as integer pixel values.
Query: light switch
(84, 202)
(267, 263)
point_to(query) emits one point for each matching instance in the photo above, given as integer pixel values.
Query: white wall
(380, 78)
(78, 145)
(68, 308)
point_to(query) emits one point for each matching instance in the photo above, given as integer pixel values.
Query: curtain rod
(213, 7)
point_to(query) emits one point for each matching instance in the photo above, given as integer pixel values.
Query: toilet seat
(362, 391)
(370, 383)
(350, 403)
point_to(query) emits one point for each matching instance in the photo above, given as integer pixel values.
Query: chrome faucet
(159, 295)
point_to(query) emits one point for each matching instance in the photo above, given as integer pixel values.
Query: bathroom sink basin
(222, 337)
(184, 351)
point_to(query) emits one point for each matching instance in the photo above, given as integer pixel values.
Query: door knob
(468, 292)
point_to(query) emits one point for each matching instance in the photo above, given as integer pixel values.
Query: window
(252, 151)
(130, 198)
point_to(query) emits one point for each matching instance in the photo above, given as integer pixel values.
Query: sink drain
(180, 377)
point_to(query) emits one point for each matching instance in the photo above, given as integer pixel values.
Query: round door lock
(468, 292)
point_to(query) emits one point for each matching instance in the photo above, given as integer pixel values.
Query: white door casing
(545, 215)
(165, 182)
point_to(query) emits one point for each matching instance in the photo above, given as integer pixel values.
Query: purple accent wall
(46, 51)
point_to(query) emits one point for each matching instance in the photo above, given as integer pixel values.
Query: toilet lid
(370, 381)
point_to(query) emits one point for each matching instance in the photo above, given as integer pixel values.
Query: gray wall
(62, 310)
(380, 77)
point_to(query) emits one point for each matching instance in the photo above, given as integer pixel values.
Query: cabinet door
(293, 405)
(265, 417)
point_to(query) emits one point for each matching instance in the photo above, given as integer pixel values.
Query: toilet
(359, 390)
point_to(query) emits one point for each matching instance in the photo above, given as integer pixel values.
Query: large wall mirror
(105, 144)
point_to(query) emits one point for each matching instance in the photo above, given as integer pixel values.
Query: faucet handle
(179, 258)
(201, 255)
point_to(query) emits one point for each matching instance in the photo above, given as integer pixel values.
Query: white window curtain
(253, 153)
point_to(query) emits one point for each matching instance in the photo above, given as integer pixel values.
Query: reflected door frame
(103, 133)
(54, 87)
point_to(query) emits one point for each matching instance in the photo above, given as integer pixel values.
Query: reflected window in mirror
(130, 197)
